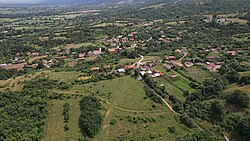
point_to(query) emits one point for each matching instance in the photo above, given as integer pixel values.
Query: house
(177, 51)
(155, 75)
(144, 68)
(222, 20)
(34, 54)
(184, 50)
(112, 50)
(95, 69)
(3, 65)
(81, 55)
(173, 76)
(176, 63)
(107, 67)
(142, 73)
(210, 66)
(121, 70)
(130, 67)
(213, 50)
(165, 40)
(149, 72)
(167, 66)
(34, 66)
(232, 53)
(96, 52)
(171, 57)
(189, 64)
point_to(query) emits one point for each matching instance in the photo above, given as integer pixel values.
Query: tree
(216, 111)
(243, 130)
(245, 80)
(239, 99)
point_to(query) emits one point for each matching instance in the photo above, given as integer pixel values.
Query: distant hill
(89, 2)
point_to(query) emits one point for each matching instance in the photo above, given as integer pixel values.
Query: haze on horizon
(19, 1)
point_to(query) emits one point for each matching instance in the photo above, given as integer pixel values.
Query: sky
(18, 1)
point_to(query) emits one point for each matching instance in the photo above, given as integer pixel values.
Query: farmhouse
(189, 64)
(173, 76)
(121, 70)
(95, 69)
(177, 51)
(176, 63)
(167, 66)
(112, 50)
(171, 57)
(232, 53)
(3, 65)
(130, 67)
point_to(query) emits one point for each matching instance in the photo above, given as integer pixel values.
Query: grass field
(180, 82)
(171, 89)
(234, 87)
(199, 74)
(55, 123)
(121, 98)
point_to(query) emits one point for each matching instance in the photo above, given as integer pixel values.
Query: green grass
(234, 87)
(125, 92)
(54, 130)
(199, 74)
(180, 82)
(120, 97)
(171, 89)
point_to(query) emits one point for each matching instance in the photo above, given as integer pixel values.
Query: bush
(239, 99)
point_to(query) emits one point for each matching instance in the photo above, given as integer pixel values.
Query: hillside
(123, 70)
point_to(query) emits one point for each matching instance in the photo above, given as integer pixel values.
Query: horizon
(19, 1)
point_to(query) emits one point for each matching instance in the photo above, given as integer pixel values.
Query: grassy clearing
(124, 92)
(198, 74)
(234, 87)
(175, 22)
(180, 82)
(54, 130)
(123, 129)
(110, 24)
(171, 89)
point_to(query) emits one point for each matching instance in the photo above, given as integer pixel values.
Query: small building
(171, 57)
(112, 50)
(121, 70)
(173, 76)
(142, 73)
(177, 51)
(97, 52)
(213, 50)
(155, 75)
(130, 67)
(232, 53)
(81, 55)
(184, 50)
(167, 66)
(34, 54)
(3, 65)
(107, 67)
(95, 69)
(189, 64)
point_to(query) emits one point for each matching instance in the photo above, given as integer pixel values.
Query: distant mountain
(89, 2)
